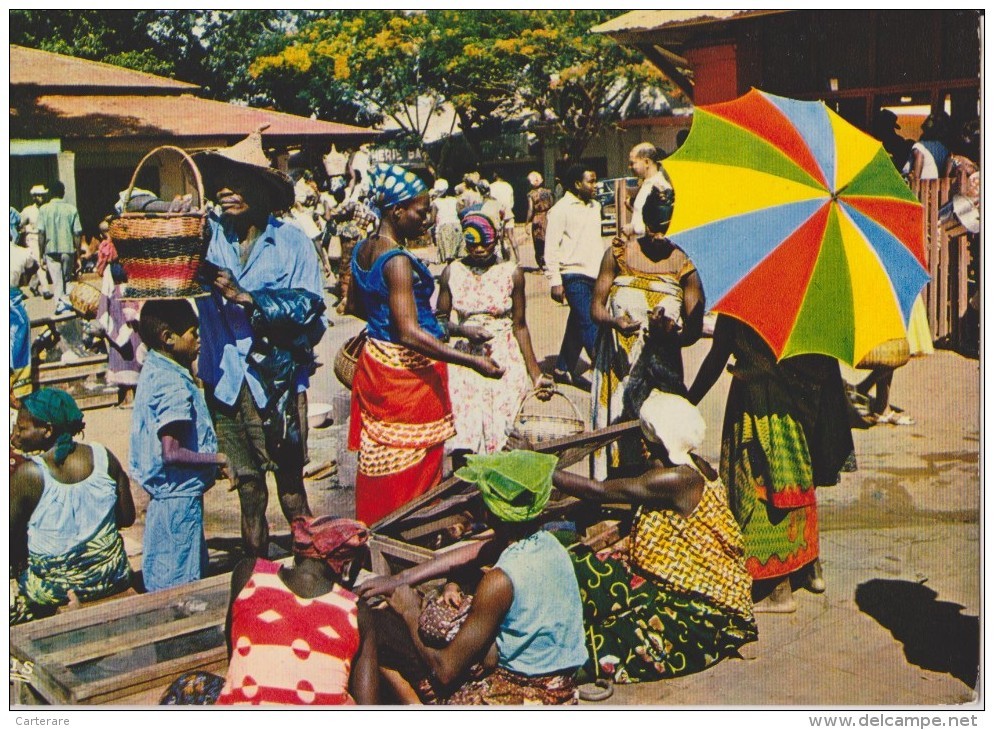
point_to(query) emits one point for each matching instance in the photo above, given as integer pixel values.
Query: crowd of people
(528, 612)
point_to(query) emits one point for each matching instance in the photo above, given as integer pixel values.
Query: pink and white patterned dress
(483, 408)
(288, 650)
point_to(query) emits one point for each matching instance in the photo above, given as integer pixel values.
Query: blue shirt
(542, 632)
(167, 394)
(282, 258)
(372, 287)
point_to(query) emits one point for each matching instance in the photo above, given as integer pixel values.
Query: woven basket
(161, 252)
(85, 299)
(547, 420)
(347, 358)
(889, 354)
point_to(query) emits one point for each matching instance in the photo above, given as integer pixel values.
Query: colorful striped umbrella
(799, 225)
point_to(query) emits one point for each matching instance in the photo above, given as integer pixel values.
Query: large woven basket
(85, 299)
(889, 354)
(161, 252)
(347, 358)
(555, 418)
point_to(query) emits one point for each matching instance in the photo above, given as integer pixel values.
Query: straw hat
(38, 190)
(246, 156)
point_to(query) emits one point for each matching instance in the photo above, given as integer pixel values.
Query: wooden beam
(669, 69)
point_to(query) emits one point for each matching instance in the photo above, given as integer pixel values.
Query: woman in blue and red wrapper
(401, 412)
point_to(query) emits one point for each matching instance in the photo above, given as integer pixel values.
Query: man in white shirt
(645, 160)
(30, 238)
(573, 252)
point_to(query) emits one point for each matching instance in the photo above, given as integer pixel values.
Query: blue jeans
(581, 331)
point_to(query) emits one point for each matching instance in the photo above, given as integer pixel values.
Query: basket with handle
(161, 253)
(347, 358)
(554, 418)
(85, 299)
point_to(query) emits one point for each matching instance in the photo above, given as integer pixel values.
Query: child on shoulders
(173, 446)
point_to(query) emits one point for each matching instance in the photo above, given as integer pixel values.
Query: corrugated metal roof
(116, 116)
(649, 20)
(29, 66)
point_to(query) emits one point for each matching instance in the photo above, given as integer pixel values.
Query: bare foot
(780, 600)
(814, 581)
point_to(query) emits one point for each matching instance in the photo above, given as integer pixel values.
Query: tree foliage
(365, 66)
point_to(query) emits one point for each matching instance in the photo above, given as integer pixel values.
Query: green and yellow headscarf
(59, 410)
(515, 485)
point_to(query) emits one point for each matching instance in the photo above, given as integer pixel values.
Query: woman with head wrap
(296, 634)
(539, 201)
(66, 506)
(644, 279)
(401, 412)
(528, 604)
(678, 599)
(487, 298)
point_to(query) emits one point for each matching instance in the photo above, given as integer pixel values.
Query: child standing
(173, 446)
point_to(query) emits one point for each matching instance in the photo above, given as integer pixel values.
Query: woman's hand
(487, 367)
(625, 325)
(405, 601)
(452, 595)
(475, 334)
(545, 386)
(227, 285)
(378, 586)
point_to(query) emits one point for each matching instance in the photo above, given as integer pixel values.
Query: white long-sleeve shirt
(573, 243)
(660, 180)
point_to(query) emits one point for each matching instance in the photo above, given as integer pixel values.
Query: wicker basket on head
(555, 418)
(161, 252)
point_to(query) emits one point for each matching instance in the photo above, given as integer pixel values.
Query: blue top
(167, 394)
(542, 632)
(376, 296)
(67, 515)
(282, 258)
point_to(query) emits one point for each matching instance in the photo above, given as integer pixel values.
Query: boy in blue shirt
(173, 446)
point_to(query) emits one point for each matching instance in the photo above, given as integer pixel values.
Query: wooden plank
(111, 610)
(70, 372)
(52, 683)
(571, 449)
(151, 692)
(106, 690)
(80, 653)
(87, 360)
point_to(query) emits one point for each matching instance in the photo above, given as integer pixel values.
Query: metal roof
(638, 21)
(129, 116)
(49, 71)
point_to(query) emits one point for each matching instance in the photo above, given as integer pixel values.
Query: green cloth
(515, 485)
(58, 409)
(60, 222)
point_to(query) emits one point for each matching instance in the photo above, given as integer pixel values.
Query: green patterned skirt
(640, 631)
(96, 569)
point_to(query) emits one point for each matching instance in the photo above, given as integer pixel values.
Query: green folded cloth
(515, 485)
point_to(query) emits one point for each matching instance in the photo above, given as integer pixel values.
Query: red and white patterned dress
(288, 650)
(484, 408)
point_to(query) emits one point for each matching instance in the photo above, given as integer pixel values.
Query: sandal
(596, 691)
(895, 419)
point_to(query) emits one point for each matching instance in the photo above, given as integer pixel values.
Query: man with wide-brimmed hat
(258, 330)
(29, 237)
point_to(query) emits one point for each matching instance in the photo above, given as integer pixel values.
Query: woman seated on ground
(528, 603)
(319, 648)
(66, 506)
(488, 298)
(646, 276)
(678, 600)
(401, 411)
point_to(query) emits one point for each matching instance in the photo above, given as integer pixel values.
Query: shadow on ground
(936, 634)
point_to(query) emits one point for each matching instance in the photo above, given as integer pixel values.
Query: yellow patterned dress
(677, 602)
(640, 286)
